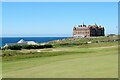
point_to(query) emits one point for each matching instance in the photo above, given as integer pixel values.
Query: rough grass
(74, 63)
(101, 44)
(82, 40)
(19, 54)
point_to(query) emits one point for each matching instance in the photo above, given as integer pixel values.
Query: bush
(18, 47)
(14, 47)
(48, 46)
(27, 46)
(32, 46)
(3, 48)
(40, 47)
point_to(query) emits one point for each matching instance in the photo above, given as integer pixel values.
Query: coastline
(5, 40)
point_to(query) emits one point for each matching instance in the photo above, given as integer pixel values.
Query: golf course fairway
(80, 63)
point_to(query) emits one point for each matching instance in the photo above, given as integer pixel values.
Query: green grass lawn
(73, 63)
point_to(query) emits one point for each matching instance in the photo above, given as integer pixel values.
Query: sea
(5, 40)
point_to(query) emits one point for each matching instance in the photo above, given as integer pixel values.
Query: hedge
(18, 47)
(14, 47)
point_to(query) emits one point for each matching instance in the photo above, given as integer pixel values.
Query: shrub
(14, 47)
(3, 48)
(27, 46)
(48, 46)
(18, 47)
(40, 47)
(33, 46)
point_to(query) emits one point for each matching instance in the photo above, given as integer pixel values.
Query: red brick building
(88, 31)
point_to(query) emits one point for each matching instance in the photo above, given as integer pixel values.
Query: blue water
(36, 39)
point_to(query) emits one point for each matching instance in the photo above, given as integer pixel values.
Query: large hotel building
(88, 31)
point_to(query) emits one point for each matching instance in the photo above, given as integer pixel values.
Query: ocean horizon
(5, 40)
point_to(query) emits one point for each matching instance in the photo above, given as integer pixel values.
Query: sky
(60, 0)
(56, 19)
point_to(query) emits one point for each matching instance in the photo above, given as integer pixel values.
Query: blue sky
(41, 19)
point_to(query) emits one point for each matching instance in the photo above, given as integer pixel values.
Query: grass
(82, 40)
(101, 44)
(74, 63)
(20, 54)
(94, 60)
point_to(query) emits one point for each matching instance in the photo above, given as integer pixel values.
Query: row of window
(83, 32)
(82, 29)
